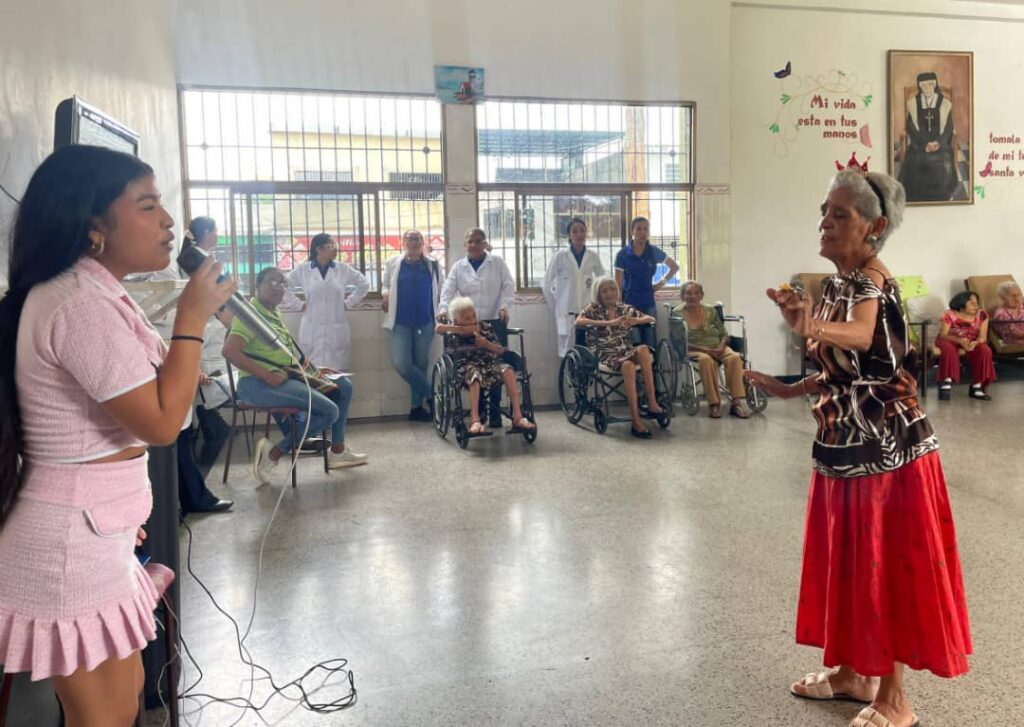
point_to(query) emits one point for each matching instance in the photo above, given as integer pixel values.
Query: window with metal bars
(274, 168)
(540, 163)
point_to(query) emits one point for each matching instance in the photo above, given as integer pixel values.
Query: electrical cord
(245, 703)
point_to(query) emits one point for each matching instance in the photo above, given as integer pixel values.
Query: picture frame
(931, 125)
(459, 84)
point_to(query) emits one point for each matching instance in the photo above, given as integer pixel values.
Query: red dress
(881, 578)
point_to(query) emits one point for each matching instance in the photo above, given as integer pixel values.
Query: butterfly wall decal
(785, 71)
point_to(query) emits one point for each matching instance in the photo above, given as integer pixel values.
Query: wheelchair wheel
(461, 434)
(756, 399)
(664, 420)
(530, 435)
(666, 361)
(572, 387)
(600, 421)
(442, 398)
(689, 398)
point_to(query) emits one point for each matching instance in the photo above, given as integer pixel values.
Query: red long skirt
(881, 576)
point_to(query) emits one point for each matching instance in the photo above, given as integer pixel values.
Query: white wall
(775, 197)
(116, 55)
(606, 49)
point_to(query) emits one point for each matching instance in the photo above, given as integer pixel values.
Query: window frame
(519, 189)
(241, 239)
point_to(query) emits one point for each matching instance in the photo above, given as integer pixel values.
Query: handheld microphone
(191, 258)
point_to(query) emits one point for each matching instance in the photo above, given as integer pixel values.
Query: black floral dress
(612, 346)
(477, 364)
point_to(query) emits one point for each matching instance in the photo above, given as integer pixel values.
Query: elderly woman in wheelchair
(699, 334)
(608, 322)
(480, 366)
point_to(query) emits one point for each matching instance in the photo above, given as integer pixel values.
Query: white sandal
(817, 687)
(871, 717)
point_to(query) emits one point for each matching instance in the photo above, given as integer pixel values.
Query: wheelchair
(584, 388)
(686, 381)
(449, 412)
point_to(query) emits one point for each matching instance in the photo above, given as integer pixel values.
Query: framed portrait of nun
(931, 125)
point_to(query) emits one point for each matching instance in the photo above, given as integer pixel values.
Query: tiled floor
(583, 580)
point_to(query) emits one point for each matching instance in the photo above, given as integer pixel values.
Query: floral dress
(478, 364)
(613, 346)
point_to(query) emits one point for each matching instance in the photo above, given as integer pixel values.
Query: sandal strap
(871, 717)
(816, 685)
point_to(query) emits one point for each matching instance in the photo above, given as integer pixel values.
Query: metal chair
(288, 412)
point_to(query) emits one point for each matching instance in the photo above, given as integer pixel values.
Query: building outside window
(540, 163)
(274, 168)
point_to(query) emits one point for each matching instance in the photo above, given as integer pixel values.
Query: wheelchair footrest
(519, 430)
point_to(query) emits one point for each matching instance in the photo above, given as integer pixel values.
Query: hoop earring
(97, 249)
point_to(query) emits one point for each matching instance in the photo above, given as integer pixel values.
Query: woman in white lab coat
(570, 275)
(324, 335)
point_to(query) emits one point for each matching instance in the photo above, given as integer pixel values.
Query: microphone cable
(329, 667)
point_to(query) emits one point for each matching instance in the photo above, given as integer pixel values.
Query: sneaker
(348, 458)
(262, 465)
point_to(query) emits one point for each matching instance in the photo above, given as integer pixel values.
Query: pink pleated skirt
(72, 592)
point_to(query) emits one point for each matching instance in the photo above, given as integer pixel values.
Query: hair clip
(854, 165)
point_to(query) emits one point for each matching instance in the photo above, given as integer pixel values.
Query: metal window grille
(540, 163)
(276, 167)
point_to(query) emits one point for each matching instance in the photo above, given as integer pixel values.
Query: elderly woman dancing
(881, 585)
(610, 321)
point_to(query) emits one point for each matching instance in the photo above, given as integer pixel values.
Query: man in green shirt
(262, 382)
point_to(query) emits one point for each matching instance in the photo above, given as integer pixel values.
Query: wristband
(187, 338)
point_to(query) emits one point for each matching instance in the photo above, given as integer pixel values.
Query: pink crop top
(81, 341)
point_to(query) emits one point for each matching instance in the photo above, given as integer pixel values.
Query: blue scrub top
(638, 274)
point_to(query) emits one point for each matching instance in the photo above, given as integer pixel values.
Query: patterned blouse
(869, 418)
(964, 329)
(1009, 324)
(612, 345)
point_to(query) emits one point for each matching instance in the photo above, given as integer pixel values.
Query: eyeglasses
(276, 283)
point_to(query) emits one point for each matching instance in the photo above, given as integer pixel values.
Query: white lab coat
(389, 286)
(324, 335)
(491, 288)
(567, 291)
(211, 362)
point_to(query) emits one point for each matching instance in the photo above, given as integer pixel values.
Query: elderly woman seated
(963, 332)
(707, 342)
(610, 321)
(1008, 319)
(481, 367)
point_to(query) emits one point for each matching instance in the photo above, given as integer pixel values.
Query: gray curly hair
(1005, 287)
(595, 289)
(866, 201)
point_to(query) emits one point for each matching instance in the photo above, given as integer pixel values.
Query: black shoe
(419, 414)
(641, 433)
(218, 506)
(976, 392)
(945, 390)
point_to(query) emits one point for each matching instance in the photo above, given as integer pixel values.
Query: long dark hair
(69, 190)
